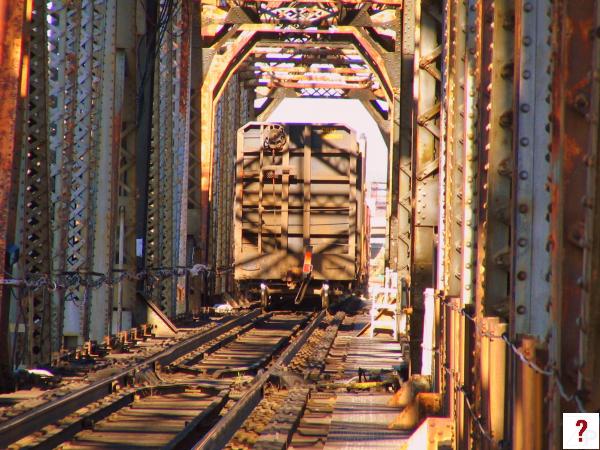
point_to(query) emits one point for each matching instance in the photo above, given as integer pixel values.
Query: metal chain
(460, 388)
(552, 374)
(65, 280)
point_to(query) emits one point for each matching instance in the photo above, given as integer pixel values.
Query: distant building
(377, 201)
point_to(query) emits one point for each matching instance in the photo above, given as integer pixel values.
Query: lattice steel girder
(62, 41)
(295, 63)
(380, 18)
(12, 20)
(167, 216)
(228, 122)
(34, 312)
(224, 64)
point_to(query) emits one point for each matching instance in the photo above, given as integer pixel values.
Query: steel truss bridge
(118, 124)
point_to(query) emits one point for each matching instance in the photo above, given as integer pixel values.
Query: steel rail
(224, 430)
(38, 418)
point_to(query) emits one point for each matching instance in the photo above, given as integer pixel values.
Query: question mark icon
(583, 424)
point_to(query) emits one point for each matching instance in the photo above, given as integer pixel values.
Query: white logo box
(581, 430)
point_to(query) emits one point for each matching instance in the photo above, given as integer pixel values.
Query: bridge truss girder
(234, 55)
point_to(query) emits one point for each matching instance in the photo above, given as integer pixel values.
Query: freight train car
(300, 215)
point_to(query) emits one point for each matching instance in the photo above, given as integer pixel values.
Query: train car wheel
(264, 298)
(325, 300)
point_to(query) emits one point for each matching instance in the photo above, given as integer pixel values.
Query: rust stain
(573, 154)
(12, 15)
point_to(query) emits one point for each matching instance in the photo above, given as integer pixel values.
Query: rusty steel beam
(324, 48)
(312, 78)
(528, 424)
(221, 69)
(13, 16)
(195, 285)
(492, 381)
(590, 312)
(310, 71)
(308, 2)
(336, 60)
(574, 247)
(291, 83)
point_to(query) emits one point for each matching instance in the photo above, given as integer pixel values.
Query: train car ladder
(386, 313)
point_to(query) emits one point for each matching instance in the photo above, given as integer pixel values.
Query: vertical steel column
(470, 175)
(492, 381)
(104, 195)
(440, 280)
(575, 128)
(493, 227)
(456, 19)
(454, 358)
(80, 232)
(63, 40)
(125, 136)
(12, 21)
(530, 239)
(399, 166)
(90, 132)
(590, 311)
(182, 36)
(146, 59)
(469, 221)
(229, 187)
(218, 218)
(532, 169)
(528, 430)
(219, 127)
(166, 232)
(160, 181)
(34, 311)
(495, 158)
(194, 176)
(426, 98)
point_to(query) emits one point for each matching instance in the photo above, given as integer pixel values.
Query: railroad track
(167, 402)
(224, 430)
(252, 382)
(57, 407)
(267, 415)
(88, 364)
(301, 406)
